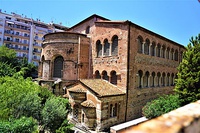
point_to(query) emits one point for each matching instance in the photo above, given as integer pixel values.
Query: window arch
(113, 110)
(140, 74)
(158, 50)
(158, 76)
(168, 53)
(87, 30)
(97, 75)
(163, 79)
(113, 77)
(140, 43)
(105, 76)
(176, 55)
(146, 47)
(114, 45)
(153, 79)
(153, 49)
(106, 48)
(146, 79)
(172, 79)
(163, 51)
(58, 67)
(168, 77)
(172, 54)
(99, 48)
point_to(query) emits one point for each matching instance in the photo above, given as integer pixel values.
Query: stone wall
(73, 48)
(148, 64)
(182, 120)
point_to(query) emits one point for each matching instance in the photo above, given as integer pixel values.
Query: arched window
(113, 77)
(58, 67)
(99, 48)
(146, 79)
(146, 47)
(163, 79)
(176, 55)
(172, 79)
(140, 73)
(106, 48)
(115, 45)
(168, 53)
(163, 51)
(87, 30)
(168, 77)
(158, 50)
(113, 110)
(158, 76)
(153, 79)
(172, 54)
(153, 49)
(97, 75)
(105, 76)
(140, 43)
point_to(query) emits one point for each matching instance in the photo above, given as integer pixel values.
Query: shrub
(161, 105)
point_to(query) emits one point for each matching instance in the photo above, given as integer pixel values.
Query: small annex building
(97, 103)
(108, 69)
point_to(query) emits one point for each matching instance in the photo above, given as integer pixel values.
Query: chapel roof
(101, 87)
(88, 104)
(77, 89)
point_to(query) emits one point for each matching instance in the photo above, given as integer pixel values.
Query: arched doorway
(58, 67)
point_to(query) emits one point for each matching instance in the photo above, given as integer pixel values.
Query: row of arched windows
(107, 49)
(153, 79)
(112, 78)
(153, 49)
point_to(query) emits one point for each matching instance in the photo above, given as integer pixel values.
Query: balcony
(37, 51)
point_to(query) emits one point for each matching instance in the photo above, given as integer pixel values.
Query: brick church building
(108, 69)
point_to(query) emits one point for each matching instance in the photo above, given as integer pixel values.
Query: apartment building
(25, 35)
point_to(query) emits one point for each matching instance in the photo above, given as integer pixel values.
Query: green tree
(9, 64)
(54, 113)
(161, 105)
(6, 69)
(22, 125)
(8, 56)
(188, 82)
(18, 97)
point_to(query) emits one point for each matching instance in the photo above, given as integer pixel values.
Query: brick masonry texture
(139, 62)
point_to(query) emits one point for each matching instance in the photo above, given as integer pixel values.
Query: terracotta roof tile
(102, 87)
(77, 89)
(88, 103)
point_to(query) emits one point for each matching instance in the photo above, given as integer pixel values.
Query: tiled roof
(88, 103)
(102, 87)
(77, 89)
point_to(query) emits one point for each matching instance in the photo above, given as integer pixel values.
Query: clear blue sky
(177, 20)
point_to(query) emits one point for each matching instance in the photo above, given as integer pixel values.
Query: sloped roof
(77, 89)
(92, 16)
(101, 87)
(88, 103)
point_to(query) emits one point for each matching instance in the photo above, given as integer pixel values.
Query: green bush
(161, 105)
(22, 125)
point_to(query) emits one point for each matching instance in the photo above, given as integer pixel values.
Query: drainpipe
(127, 81)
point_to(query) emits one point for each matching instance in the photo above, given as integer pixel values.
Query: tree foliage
(188, 82)
(54, 113)
(22, 98)
(22, 125)
(9, 64)
(161, 105)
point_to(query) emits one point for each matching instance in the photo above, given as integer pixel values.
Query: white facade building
(25, 35)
